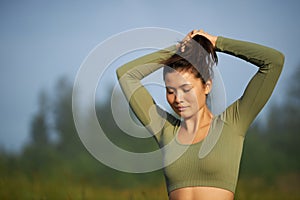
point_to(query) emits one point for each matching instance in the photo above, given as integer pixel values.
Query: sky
(42, 41)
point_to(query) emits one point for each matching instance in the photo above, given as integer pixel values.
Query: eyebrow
(181, 86)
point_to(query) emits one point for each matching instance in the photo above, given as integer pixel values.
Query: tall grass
(36, 187)
(284, 187)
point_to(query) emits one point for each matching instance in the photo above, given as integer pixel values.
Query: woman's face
(185, 93)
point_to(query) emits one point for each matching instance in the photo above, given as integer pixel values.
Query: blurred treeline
(56, 165)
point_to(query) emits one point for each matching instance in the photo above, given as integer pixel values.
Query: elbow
(123, 71)
(281, 59)
(279, 62)
(119, 73)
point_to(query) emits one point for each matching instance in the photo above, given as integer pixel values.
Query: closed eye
(170, 92)
(186, 90)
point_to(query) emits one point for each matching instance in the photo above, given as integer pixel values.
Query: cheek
(170, 98)
(192, 96)
(196, 98)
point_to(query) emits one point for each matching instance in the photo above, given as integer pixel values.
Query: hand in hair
(193, 33)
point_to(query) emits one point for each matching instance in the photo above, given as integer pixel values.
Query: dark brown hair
(199, 57)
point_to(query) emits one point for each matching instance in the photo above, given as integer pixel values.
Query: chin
(183, 115)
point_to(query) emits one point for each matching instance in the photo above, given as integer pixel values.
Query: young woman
(188, 80)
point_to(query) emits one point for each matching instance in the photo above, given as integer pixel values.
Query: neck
(198, 121)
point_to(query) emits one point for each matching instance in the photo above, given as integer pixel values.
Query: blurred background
(43, 44)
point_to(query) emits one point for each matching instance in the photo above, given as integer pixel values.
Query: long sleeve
(141, 102)
(269, 62)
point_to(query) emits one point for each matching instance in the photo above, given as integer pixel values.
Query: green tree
(38, 154)
(39, 126)
(69, 143)
(274, 149)
(287, 123)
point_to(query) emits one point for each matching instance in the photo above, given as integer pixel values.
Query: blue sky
(44, 40)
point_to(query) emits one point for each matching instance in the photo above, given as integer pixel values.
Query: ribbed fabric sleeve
(269, 62)
(219, 166)
(141, 102)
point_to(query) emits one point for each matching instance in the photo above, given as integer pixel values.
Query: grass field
(21, 186)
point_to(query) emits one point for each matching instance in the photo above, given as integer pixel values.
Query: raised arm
(269, 62)
(141, 102)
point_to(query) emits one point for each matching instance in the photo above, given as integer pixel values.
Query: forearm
(130, 76)
(260, 87)
(143, 66)
(259, 55)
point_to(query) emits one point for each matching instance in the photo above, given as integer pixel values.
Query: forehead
(176, 79)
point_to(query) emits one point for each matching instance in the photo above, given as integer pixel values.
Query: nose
(179, 97)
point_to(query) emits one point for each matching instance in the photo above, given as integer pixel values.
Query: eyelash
(172, 92)
(186, 91)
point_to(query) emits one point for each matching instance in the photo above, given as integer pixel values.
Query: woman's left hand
(191, 34)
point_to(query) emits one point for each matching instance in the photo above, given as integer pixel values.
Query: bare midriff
(201, 193)
(223, 160)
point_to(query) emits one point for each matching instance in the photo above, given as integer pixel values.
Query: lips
(180, 108)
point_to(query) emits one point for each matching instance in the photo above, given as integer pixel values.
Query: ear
(208, 86)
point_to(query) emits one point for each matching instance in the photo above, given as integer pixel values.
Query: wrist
(214, 40)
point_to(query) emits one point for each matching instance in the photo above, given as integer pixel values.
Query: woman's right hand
(191, 34)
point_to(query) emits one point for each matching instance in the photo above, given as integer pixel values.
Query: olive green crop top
(214, 161)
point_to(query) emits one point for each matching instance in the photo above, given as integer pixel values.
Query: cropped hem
(222, 185)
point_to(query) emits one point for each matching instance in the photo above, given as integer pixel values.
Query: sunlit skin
(186, 94)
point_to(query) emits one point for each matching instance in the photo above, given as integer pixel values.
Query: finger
(182, 48)
(193, 31)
